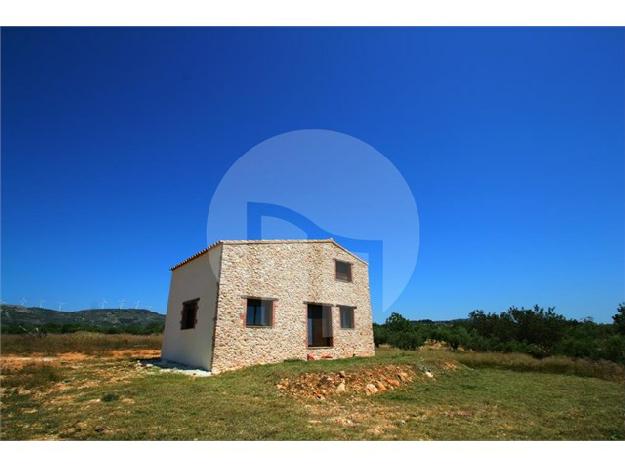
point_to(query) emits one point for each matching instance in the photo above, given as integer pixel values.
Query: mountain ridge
(19, 319)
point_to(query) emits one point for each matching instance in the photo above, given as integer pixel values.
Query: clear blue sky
(512, 141)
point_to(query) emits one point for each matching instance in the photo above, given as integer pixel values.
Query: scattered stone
(342, 374)
(380, 386)
(403, 376)
(393, 382)
(370, 389)
(429, 374)
(340, 388)
(343, 421)
(325, 380)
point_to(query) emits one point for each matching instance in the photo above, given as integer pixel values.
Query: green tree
(619, 319)
(406, 339)
(397, 322)
(380, 334)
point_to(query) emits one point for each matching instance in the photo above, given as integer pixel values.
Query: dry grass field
(91, 387)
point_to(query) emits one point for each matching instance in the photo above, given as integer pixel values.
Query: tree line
(535, 331)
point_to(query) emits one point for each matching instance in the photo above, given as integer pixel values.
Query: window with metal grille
(343, 270)
(259, 313)
(189, 314)
(347, 316)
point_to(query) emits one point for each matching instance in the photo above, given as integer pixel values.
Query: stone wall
(292, 273)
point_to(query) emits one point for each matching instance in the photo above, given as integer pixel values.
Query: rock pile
(367, 381)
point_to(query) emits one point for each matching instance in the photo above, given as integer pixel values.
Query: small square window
(347, 316)
(343, 270)
(189, 314)
(259, 313)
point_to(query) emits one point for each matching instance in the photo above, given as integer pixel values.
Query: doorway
(320, 326)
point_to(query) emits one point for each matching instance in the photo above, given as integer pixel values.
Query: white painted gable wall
(196, 279)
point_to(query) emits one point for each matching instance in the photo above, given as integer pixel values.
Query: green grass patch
(521, 362)
(494, 404)
(473, 396)
(34, 376)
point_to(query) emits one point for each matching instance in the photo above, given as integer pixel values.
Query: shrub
(407, 340)
(34, 376)
(380, 334)
(615, 349)
(535, 331)
(107, 397)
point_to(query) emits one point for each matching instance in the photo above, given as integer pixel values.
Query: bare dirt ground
(13, 362)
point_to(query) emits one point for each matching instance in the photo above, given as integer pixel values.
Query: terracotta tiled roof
(198, 254)
(268, 241)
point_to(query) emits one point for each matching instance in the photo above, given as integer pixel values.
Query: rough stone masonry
(290, 275)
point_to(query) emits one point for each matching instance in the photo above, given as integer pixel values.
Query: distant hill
(19, 319)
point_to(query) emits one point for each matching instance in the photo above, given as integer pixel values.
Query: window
(259, 313)
(189, 314)
(343, 270)
(347, 316)
(320, 326)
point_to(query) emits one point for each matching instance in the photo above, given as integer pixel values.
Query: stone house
(240, 303)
